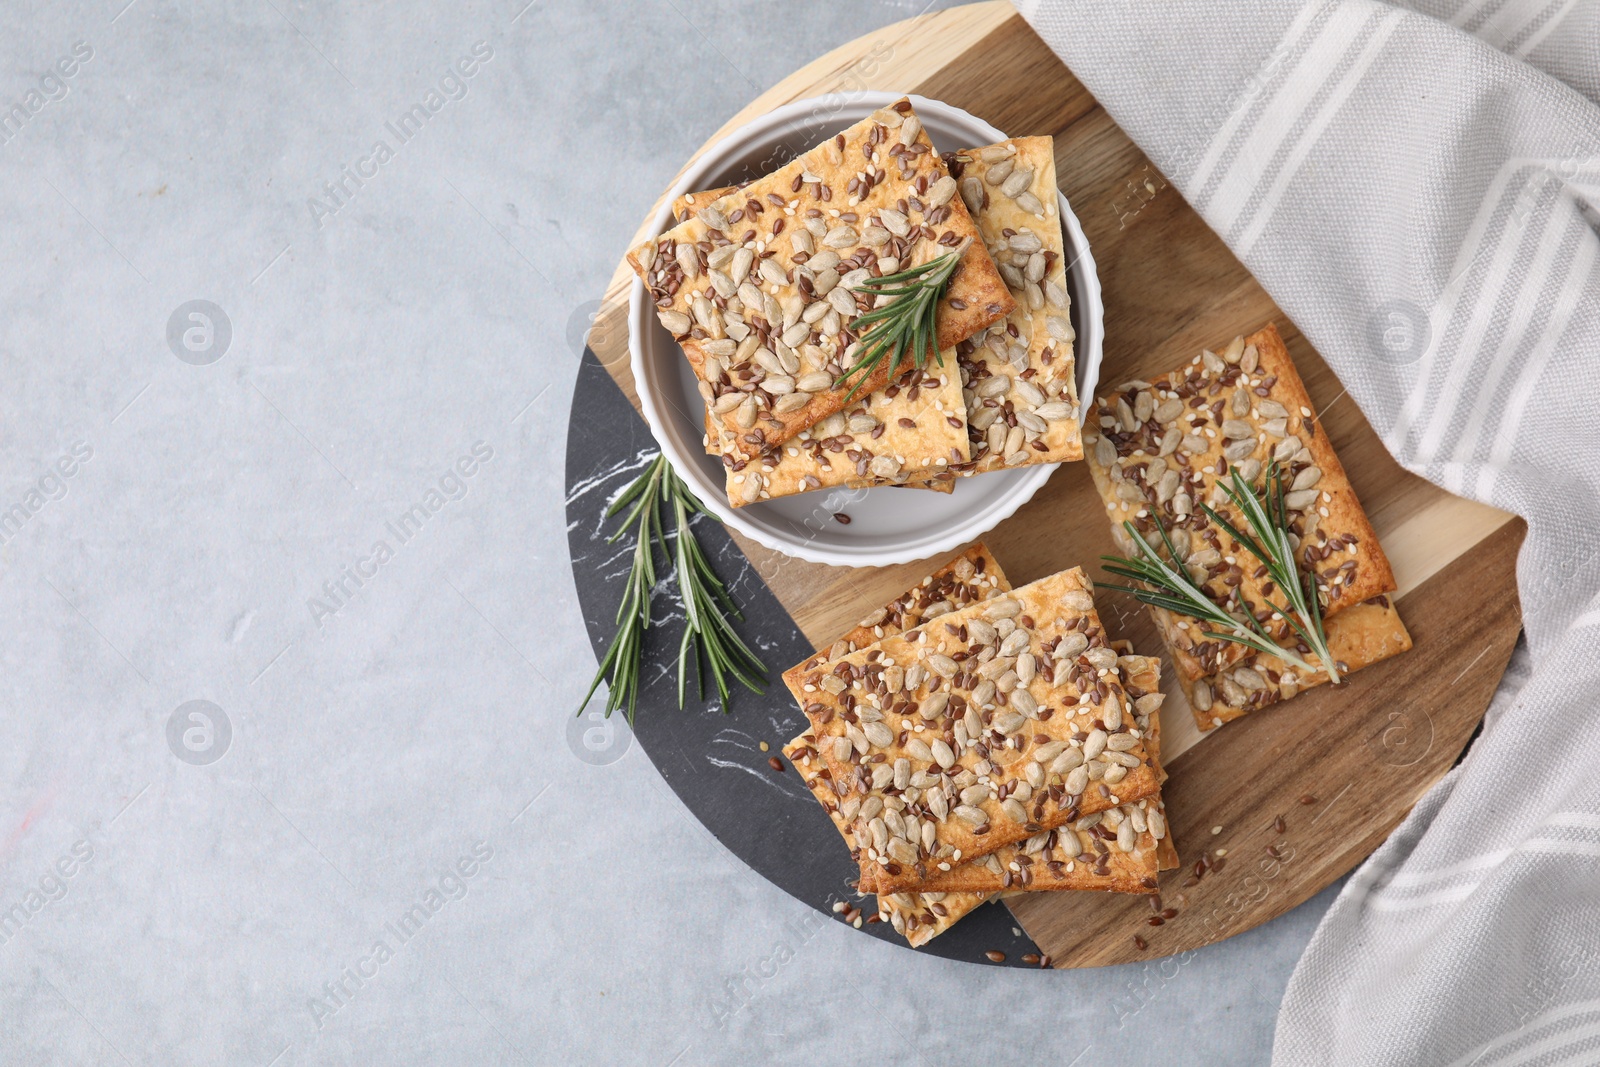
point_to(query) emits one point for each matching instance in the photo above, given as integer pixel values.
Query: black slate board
(710, 759)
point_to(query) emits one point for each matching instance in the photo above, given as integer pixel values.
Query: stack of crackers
(971, 739)
(760, 285)
(1160, 448)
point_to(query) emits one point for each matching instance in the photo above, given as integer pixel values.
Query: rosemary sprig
(1167, 585)
(707, 604)
(905, 325)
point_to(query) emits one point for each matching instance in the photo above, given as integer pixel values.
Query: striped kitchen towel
(1418, 187)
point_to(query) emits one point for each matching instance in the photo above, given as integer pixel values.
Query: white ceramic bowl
(887, 525)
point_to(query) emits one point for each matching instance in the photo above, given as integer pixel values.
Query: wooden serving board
(1341, 765)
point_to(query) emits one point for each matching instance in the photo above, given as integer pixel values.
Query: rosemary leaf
(907, 325)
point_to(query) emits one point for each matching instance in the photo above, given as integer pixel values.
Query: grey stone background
(382, 749)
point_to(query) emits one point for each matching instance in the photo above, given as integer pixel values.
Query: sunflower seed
(1016, 182)
(1077, 600)
(1023, 702)
(971, 815)
(750, 488)
(942, 754)
(940, 192)
(1014, 810)
(1306, 479)
(878, 735)
(1071, 646)
(972, 721)
(1054, 411)
(1002, 608)
(975, 794)
(1029, 392)
(1239, 451)
(1025, 242)
(1094, 744)
(1016, 643)
(1009, 722)
(1111, 715)
(1048, 751)
(934, 706)
(1301, 500)
(1069, 760)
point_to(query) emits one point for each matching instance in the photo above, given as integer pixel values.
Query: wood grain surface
(1365, 750)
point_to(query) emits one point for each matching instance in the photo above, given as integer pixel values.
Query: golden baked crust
(1358, 636)
(1157, 448)
(735, 282)
(1021, 389)
(939, 760)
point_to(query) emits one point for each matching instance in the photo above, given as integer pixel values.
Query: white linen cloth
(1416, 186)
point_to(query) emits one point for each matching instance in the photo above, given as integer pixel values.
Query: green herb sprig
(906, 325)
(1167, 585)
(708, 635)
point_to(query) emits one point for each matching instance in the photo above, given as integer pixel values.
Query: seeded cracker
(867, 444)
(769, 270)
(1157, 448)
(975, 575)
(1021, 390)
(936, 749)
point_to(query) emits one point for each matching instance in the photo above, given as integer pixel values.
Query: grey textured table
(292, 642)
